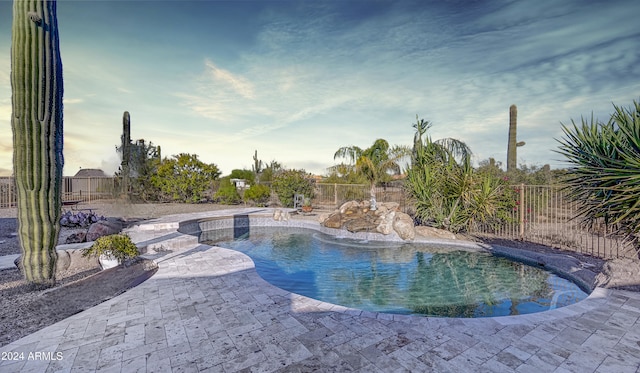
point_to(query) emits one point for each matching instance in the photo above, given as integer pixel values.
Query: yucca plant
(604, 178)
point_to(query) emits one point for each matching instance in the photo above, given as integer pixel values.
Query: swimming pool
(401, 278)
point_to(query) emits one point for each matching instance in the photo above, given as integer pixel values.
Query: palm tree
(376, 163)
(446, 190)
(440, 177)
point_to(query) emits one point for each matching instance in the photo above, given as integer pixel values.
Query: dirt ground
(24, 310)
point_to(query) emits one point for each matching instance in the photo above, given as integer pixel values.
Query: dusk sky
(298, 80)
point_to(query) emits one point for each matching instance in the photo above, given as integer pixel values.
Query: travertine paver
(207, 310)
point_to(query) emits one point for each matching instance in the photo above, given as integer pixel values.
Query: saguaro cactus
(36, 122)
(512, 156)
(257, 166)
(126, 153)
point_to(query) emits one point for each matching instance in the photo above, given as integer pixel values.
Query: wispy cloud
(348, 73)
(225, 80)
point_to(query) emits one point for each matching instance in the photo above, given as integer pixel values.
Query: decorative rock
(390, 206)
(323, 216)
(360, 225)
(434, 233)
(353, 212)
(403, 225)
(348, 205)
(333, 221)
(620, 273)
(77, 237)
(386, 222)
(357, 217)
(69, 260)
(103, 228)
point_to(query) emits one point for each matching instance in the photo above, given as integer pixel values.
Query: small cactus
(36, 122)
(257, 166)
(512, 157)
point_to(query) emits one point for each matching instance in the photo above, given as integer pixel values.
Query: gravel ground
(129, 213)
(25, 309)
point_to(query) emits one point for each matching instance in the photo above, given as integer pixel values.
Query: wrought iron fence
(541, 214)
(544, 214)
(82, 189)
(333, 195)
(7, 192)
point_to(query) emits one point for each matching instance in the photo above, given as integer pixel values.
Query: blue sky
(298, 80)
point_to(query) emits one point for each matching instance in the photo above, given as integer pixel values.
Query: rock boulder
(357, 217)
(103, 228)
(434, 233)
(403, 225)
(68, 261)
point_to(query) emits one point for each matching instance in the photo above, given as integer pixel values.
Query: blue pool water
(397, 277)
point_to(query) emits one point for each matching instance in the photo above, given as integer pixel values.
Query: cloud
(71, 101)
(367, 79)
(225, 79)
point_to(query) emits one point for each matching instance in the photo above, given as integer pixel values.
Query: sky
(297, 80)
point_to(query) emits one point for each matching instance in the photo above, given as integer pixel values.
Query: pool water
(397, 278)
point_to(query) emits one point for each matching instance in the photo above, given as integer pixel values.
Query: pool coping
(207, 309)
(176, 233)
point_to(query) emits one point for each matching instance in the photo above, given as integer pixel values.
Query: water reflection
(399, 278)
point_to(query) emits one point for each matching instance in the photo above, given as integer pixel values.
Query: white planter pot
(107, 261)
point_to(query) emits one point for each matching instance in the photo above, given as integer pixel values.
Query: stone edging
(173, 238)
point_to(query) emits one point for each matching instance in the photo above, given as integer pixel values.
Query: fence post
(521, 209)
(335, 194)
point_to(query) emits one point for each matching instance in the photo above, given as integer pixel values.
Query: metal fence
(541, 214)
(333, 195)
(544, 214)
(82, 189)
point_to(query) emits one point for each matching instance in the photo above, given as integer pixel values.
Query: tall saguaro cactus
(126, 153)
(36, 122)
(513, 144)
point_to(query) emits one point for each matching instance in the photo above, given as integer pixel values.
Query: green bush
(247, 175)
(118, 246)
(184, 178)
(258, 194)
(290, 182)
(604, 178)
(227, 193)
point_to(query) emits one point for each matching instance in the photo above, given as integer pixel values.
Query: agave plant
(604, 178)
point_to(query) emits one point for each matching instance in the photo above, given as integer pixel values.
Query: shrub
(247, 175)
(118, 246)
(227, 193)
(290, 182)
(184, 178)
(258, 194)
(80, 219)
(604, 178)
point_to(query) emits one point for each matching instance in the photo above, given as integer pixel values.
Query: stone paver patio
(207, 310)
